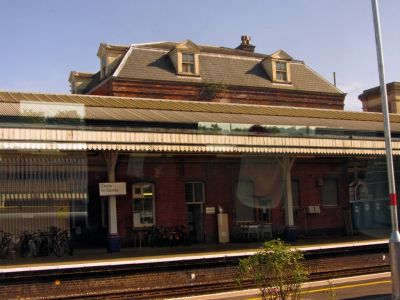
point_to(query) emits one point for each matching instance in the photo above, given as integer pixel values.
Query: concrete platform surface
(100, 257)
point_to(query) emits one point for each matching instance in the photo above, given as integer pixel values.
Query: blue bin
(357, 215)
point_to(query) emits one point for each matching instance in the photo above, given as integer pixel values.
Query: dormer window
(185, 58)
(281, 71)
(188, 63)
(79, 81)
(278, 66)
(108, 55)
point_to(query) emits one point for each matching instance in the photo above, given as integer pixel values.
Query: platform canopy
(74, 139)
(94, 123)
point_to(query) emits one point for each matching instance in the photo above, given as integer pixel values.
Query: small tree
(277, 270)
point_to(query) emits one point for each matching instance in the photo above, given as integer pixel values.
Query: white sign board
(210, 210)
(112, 188)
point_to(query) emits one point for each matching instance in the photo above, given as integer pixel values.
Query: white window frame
(138, 215)
(192, 63)
(282, 72)
(193, 192)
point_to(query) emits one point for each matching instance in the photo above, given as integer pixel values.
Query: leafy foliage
(210, 90)
(277, 270)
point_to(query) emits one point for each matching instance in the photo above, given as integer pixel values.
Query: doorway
(194, 198)
(195, 221)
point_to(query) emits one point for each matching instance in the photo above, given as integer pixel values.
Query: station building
(229, 144)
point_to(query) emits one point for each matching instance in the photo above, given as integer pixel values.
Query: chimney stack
(245, 45)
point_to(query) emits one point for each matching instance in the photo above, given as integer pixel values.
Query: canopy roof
(14, 135)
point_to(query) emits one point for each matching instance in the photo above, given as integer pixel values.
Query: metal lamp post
(394, 241)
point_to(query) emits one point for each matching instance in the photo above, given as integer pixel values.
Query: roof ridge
(122, 62)
(149, 43)
(204, 47)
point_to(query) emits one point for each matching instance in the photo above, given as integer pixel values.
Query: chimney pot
(245, 39)
(245, 45)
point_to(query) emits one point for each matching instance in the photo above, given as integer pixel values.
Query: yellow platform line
(334, 288)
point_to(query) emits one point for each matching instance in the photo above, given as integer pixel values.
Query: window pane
(281, 76)
(187, 57)
(194, 192)
(137, 205)
(187, 68)
(198, 192)
(245, 205)
(329, 192)
(281, 66)
(148, 204)
(188, 192)
(143, 204)
(148, 189)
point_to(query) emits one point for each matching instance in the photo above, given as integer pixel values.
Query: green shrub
(277, 270)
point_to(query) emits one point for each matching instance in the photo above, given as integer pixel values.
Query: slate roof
(218, 65)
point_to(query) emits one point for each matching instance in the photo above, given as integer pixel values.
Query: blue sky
(43, 40)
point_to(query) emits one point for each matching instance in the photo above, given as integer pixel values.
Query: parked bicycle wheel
(58, 248)
(27, 247)
(44, 245)
(6, 245)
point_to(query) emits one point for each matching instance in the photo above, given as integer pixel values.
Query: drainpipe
(114, 242)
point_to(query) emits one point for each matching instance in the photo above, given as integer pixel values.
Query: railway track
(216, 287)
(166, 280)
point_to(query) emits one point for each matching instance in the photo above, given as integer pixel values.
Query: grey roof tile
(218, 65)
(229, 70)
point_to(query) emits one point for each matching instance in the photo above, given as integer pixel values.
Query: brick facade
(331, 218)
(204, 92)
(220, 176)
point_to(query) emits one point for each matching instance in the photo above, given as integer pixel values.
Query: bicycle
(27, 245)
(6, 244)
(60, 242)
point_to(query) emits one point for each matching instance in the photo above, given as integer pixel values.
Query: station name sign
(112, 188)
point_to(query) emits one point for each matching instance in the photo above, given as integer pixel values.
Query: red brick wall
(260, 96)
(220, 182)
(104, 89)
(220, 176)
(308, 173)
(166, 174)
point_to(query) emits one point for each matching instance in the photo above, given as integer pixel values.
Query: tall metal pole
(394, 242)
